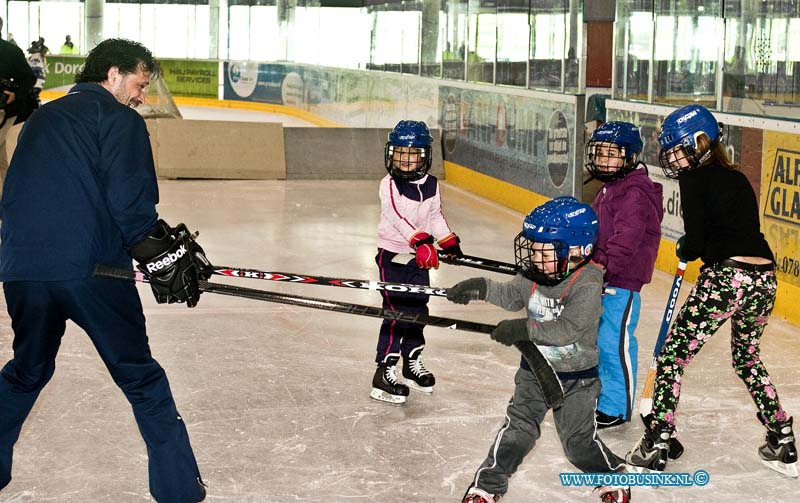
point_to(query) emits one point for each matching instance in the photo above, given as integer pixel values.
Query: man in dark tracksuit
(81, 190)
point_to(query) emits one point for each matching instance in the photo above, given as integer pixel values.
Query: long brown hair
(720, 153)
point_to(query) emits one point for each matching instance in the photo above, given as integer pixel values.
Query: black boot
(385, 386)
(779, 452)
(652, 450)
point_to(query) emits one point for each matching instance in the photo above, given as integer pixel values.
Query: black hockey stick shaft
(480, 263)
(290, 277)
(551, 386)
(297, 300)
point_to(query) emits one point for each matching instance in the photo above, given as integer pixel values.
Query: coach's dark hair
(127, 55)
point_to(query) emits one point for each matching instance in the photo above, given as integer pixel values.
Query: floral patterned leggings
(721, 292)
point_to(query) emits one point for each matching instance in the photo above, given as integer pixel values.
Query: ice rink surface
(276, 397)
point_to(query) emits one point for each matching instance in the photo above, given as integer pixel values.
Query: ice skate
(652, 450)
(779, 452)
(675, 448)
(476, 495)
(614, 494)
(605, 421)
(385, 387)
(416, 375)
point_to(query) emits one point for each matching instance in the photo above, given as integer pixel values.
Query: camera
(6, 85)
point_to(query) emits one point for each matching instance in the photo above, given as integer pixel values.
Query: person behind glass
(37, 59)
(629, 207)
(16, 82)
(560, 290)
(411, 215)
(81, 190)
(68, 47)
(737, 282)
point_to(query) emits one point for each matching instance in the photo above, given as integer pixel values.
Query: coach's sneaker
(476, 495)
(202, 489)
(614, 494)
(385, 386)
(652, 450)
(779, 452)
(416, 375)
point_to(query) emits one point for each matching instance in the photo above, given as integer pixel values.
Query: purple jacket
(630, 212)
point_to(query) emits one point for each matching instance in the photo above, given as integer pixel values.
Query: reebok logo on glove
(167, 261)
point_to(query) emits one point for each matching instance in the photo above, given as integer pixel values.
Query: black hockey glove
(204, 267)
(174, 262)
(510, 331)
(467, 290)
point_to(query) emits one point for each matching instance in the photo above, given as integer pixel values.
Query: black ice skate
(779, 452)
(385, 387)
(603, 420)
(476, 495)
(417, 376)
(652, 450)
(614, 494)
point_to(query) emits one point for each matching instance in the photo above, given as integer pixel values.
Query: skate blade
(382, 396)
(416, 387)
(790, 470)
(640, 469)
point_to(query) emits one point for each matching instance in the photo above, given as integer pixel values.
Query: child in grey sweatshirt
(561, 291)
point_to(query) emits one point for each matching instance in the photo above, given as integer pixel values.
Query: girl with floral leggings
(736, 282)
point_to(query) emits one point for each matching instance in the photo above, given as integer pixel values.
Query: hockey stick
(290, 277)
(480, 263)
(646, 402)
(548, 380)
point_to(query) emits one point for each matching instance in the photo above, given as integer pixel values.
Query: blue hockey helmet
(678, 137)
(564, 223)
(407, 154)
(613, 150)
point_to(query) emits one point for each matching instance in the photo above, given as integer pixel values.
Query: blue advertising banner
(265, 83)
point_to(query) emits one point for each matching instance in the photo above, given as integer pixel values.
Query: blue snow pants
(110, 312)
(618, 351)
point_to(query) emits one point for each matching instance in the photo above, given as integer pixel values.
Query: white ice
(276, 398)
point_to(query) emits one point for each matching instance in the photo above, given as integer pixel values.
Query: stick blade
(548, 380)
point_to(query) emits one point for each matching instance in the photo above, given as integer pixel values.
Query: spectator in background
(68, 47)
(11, 39)
(37, 59)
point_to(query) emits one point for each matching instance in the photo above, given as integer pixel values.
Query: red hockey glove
(427, 256)
(450, 247)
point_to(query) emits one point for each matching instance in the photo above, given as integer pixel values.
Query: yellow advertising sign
(780, 201)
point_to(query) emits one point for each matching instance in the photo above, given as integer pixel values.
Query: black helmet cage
(670, 160)
(686, 150)
(535, 271)
(423, 163)
(595, 168)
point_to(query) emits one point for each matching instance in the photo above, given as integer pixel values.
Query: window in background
(762, 50)
(688, 38)
(395, 41)
(454, 26)
(482, 44)
(512, 46)
(549, 36)
(264, 32)
(345, 34)
(633, 48)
